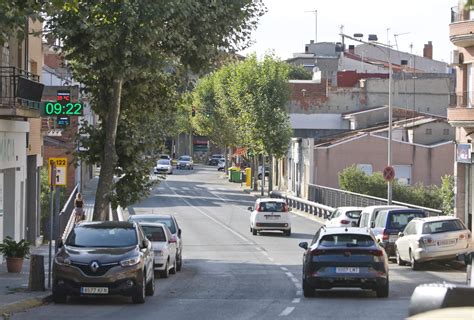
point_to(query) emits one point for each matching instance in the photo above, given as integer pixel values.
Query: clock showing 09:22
(58, 109)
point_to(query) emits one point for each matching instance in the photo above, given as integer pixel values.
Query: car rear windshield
(399, 220)
(154, 233)
(347, 240)
(185, 158)
(272, 207)
(163, 161)
(166, 220)
(354, 214)
(109, 237)
(442, 226)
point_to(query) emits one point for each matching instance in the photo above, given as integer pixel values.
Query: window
(381, 219)
(428, 131)
(347, 240)
(366, 168)
(446, 132)
(410, 229)
(403, 174)
(399, 220)
(272, 206)
(154, 233)
(353, 214)
(364, 220)
(442, 226)
(316, 236)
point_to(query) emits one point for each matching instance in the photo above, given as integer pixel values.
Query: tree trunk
(270, 176)
(255, 173)
(109, 156)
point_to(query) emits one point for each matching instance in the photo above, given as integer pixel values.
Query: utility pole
(315, 24)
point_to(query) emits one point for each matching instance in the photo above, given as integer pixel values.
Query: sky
(287, 26)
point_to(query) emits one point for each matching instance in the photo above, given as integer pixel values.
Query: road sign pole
(51, 207)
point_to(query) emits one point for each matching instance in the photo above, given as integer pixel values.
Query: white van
(368, 214)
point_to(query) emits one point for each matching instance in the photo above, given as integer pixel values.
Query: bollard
(36, 279)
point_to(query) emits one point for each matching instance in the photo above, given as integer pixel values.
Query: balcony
(461, 117)
(20, 93)
(461, 29)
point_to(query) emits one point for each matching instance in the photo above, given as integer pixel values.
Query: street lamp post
(390, 120)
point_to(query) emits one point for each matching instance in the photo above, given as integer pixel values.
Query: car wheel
(179, 264)
(165, 273)
(254, 232)
(287, 233)
(308, 290)
(150, 287)
(173, 270)
(415, 265)
(382, 291)
(400, 262)
(59, 297)
(139, 296)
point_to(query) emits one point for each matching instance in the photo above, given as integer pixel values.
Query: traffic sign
(389, 173)
(60, 165)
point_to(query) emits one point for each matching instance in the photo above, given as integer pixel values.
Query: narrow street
(230, 274)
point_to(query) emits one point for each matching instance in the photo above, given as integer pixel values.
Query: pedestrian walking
(79, 214)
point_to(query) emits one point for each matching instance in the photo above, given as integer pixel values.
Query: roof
(270, 200)
(150, 215)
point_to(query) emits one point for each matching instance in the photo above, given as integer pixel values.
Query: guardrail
(307, 206)
(339, 198)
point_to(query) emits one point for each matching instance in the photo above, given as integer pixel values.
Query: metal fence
(19, 87)
(299, 204)
(339, 198)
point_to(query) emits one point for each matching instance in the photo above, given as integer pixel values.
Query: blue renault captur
(390, 222)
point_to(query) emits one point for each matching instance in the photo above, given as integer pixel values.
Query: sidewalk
(14, 293)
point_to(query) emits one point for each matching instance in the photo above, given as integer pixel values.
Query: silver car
(185, 162)
(432, 238)
(164, 166)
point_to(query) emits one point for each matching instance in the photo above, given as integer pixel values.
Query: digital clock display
(58, 109)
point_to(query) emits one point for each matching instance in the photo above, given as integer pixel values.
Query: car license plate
(449, 242)
(272, 217)
(392, 238)
(347, 270)
(94, 290)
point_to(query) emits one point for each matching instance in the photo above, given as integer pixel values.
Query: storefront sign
(463, 153)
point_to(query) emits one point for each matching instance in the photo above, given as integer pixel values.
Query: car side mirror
(400, 234)
(179, 233)
(372, 224)
(145, 244)
(60, 243)
(303, 245)
(172, 239)
(250, 208)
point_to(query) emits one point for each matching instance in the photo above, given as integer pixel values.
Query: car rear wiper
(352, 245)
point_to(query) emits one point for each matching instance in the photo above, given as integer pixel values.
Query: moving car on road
(344, 217)
(172, 224)
(163, 166)
(214, 159)
(104, 258)
(270, 214)
(185, 162)
(164, 247)
(390, 222)
(221, 165)
(433, 238)
(344, 257)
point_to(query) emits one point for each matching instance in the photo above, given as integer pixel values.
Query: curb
(25, 304)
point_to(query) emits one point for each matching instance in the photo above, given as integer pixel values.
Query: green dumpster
(235, 176)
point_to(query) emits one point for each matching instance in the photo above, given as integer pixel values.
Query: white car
(164, 247)
(185, 162)
(432, 238)
(344, 217)
(368, 214)
(221, 165)
(270, 214)
(164, 166)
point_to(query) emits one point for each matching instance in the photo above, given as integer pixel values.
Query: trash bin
(235, 176)
(248, 176)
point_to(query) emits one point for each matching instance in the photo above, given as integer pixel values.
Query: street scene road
(230, 274)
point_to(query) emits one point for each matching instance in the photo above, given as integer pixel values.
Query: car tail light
(285, 208)
(173, 239)
(316, 252)
(377, 253)
(385, 235)
(345, 222)
(427, 241)
(462, 236)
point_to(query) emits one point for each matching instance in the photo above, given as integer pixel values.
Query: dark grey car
(104, 258)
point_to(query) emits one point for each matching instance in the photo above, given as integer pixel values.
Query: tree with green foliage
(447, 194)
(298, 72)
(111, 44)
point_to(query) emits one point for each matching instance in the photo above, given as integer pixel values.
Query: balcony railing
(19, 89)
(458, 100)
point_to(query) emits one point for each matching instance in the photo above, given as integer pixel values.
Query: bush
(355, 180)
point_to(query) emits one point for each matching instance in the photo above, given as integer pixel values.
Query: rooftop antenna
(396, 38)
(315, 24)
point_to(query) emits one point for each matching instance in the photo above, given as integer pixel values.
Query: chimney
(352, 48)
(311, 41)
(428, 50)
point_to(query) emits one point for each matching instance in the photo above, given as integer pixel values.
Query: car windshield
(347, 240)
(353, 214)
(97, 236)
(272, 207)
(185, 159)
(154, 233)
(399, 220)
(442, 226)
(166, 220)
(163, 161)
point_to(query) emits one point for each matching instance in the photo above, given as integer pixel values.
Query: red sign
(389, 173)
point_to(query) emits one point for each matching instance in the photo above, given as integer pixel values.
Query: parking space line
(296, 300)
(289, 274)
(284, 268)
(299, 293)
(287, 311)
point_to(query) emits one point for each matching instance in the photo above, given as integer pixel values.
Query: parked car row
(117, 257)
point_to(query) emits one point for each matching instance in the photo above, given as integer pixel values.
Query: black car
(172, 225)
(344, 257)
(214, 159)
(104, 258)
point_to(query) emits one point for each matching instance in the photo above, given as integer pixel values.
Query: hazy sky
(286, 27)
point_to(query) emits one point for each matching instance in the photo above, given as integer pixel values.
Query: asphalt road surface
(230, 274)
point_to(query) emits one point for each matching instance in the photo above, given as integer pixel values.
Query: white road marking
(265, 253)
(289, 274)
(299, 293)
(271, 259)
(284, 268)
(294, 280)
(287, 311)
(296, 300)
(297, 285)
(213, 219)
